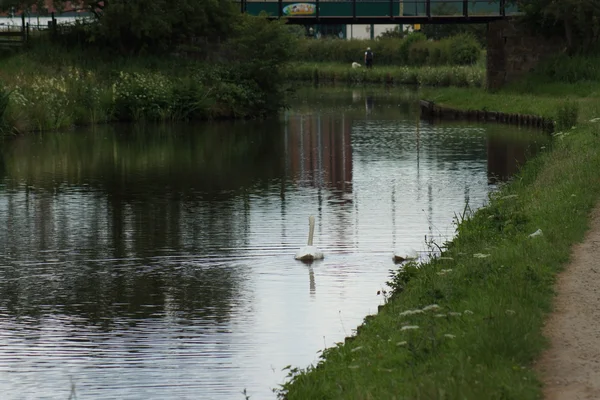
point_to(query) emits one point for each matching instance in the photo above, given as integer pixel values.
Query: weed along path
(571, 366)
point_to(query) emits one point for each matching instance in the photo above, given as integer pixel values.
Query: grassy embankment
(456, 61)
(58, 82)
(469, 325)
(48, 90)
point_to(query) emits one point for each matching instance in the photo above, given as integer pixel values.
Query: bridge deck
(381, 11)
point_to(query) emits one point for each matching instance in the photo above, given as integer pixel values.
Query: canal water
(157, 262)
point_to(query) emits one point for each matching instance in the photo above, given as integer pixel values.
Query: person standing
(369, 58)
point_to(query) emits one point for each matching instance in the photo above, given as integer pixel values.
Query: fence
(14, 36)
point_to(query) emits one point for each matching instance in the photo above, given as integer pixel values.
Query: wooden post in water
(466, 8)
(503, 8)
(279, 8)
(428, 8)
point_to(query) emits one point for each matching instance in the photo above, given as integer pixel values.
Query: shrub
(407, 42)
(566, 115)
(464, 49)
(411, 50)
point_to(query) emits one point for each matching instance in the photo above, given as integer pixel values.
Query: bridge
(381, 11)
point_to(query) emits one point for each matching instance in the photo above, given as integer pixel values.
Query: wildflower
(479, 255)
(454, 314)
(431, 307)
(410, 312)
(409, 327)
(468, 312)
(440, 315)
(510, 312)
(449, 336)
(356, 349)
(403, 343)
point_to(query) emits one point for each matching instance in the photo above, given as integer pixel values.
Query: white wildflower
(510, 312)
(431, 307)
(410, 312)
(409, 327)
(467, 312)
(449, 335)
(440, 315)
(356, 349)
(403, 343)
(454, 314)
(479, 255)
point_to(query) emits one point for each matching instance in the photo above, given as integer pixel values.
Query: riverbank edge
(432, 111)
(433, 76)
(469, 324)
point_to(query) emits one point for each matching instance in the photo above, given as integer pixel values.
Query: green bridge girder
(376, 8)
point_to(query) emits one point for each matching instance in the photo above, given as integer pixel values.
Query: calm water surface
(148, 262)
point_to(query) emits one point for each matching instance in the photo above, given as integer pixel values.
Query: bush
(412, 50)
(464, 49)
(407, 42)
(566, 115)
(564, 68)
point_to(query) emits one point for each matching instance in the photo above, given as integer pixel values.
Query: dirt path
(570, 368)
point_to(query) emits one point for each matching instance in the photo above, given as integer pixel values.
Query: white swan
(410, 255)
(309, 252)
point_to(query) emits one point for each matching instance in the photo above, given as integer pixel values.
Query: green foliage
(476, 313)
(569, 69)
(142, 26)
(462, 76)
(574, 20)
(413, 50)
(442, 31)
(4, 103)
(407, 42)
(395, 33)
(464, 49)
(258, 54)
(567, 115)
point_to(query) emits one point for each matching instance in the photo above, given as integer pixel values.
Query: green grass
(53, 88)
(460, 76)
(487, 351)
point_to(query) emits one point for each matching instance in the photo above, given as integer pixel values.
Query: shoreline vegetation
(112, 70)
(71, 78)
(443, 75)
(468, 323)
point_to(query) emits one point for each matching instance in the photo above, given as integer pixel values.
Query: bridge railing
(377, 8)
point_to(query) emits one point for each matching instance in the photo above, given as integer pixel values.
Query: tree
(579, 20)
(158, 25)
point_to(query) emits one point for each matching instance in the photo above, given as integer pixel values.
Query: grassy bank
(468, 325)
(459, 76)
(63, 91)
(411, 50)
(56, 82)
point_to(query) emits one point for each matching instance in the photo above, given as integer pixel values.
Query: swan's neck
(311, 229)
